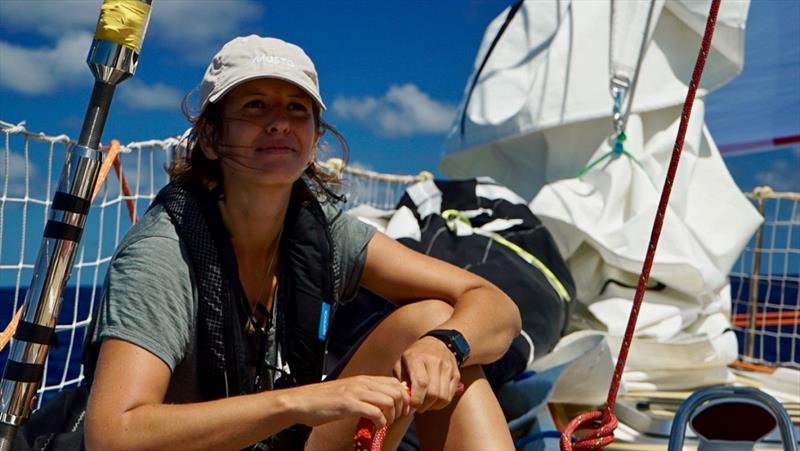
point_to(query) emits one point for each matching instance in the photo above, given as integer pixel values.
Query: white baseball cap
(251, 57)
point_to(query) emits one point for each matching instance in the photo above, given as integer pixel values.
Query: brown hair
(189, 165)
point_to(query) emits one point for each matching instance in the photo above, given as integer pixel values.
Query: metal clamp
(619, 86)
(732, 394)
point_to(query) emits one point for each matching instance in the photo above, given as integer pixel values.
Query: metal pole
(731, 394)
(112, 58)
(752, 305)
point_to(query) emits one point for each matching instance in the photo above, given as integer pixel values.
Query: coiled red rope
(603, 423)
(369, 439)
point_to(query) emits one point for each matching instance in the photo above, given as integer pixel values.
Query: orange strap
(5, 337)
(111, 155)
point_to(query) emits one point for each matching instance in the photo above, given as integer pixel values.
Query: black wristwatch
(455, 342)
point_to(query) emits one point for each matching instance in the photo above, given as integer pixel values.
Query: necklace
(252, 324)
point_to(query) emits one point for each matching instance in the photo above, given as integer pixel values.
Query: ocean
(772, 343)
(63, 360)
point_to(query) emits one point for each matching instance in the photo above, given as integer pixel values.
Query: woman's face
(269, 133)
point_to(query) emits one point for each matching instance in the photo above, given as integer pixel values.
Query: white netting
(365, 187)
(764, 283)
(30, 164)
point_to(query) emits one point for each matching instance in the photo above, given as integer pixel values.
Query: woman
(213, 325)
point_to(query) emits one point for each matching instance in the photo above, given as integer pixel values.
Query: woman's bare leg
(377, 355)
(473, 421)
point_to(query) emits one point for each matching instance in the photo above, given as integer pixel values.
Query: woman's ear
(207, 147)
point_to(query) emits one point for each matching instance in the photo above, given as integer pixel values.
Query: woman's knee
(417, 318)
(382, 347)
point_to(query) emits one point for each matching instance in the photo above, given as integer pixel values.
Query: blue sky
(392, 72)
(763, 102)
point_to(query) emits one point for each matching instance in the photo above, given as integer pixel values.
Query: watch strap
(449, 338)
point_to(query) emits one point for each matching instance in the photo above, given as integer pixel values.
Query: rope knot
(618, 143)
(601, 426)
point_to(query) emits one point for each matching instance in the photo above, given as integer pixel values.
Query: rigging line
(511, 13)
(635, 81)
(603, 434)
(639, 60)
(671, 171)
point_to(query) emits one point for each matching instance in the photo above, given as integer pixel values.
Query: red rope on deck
(603, 423)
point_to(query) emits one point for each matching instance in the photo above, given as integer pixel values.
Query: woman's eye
(296, 106)
(255, 104)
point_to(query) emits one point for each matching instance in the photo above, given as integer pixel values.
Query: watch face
(461, 344)
(455, 342)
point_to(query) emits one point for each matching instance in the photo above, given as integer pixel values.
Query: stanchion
(113, 57)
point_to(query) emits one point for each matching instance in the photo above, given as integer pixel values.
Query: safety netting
(764, 281)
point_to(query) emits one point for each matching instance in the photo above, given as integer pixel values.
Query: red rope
(603, 423)
(368, 439)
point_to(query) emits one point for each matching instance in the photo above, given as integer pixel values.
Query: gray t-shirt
(150, 299)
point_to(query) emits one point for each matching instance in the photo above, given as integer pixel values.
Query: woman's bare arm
(482, 313)
(126, 410)
(486, 316)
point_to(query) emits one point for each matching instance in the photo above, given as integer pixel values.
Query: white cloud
(43, 70)
(781, 175)
(188, 24)
(403, 111)
(193, 28)
(51, 17)
(142, 96)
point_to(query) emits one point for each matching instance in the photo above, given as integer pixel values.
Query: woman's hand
(432, 372)
(382, 399)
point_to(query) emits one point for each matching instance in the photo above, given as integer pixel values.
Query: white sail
(542, 110)
(541, 104)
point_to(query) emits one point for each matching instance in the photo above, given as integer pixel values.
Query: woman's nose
(278, 122)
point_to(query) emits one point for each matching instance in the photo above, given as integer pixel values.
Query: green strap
(453, 214)
(617, 150)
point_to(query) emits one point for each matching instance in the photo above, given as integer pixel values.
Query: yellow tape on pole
(123, 22)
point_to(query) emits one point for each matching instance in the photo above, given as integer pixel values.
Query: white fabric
(547, 132)
(493, 191)
(606, 216)
(602, 224)
(403, 224)
(375, 217)
(628, 22)
(476, 212)
(549, 72)
(501, 224)
(252, 57)
(782, 383)
(426, 196)
(588, 368)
